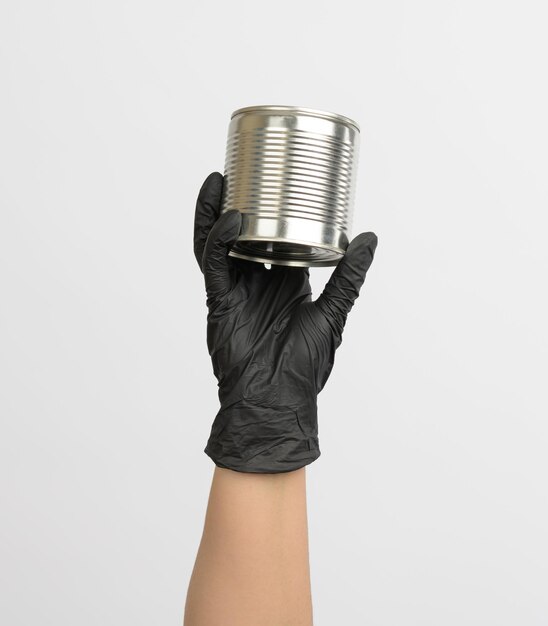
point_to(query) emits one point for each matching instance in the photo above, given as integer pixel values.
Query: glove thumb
(343, 287)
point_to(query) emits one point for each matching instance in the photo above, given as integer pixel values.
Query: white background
(429, 505)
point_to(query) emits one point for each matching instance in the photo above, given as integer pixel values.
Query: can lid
(275, 108)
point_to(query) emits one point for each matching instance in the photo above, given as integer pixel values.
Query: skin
(252, 567)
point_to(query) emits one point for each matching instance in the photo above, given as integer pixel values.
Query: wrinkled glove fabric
(272, 347)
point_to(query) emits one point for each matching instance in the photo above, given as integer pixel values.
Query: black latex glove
(272, 347)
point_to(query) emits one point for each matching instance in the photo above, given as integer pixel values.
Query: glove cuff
(264, 439)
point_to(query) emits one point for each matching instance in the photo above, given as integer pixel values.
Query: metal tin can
(291, 172)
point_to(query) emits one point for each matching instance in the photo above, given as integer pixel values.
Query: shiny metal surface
(291, 172)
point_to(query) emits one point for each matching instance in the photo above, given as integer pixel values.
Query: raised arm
(272, 349)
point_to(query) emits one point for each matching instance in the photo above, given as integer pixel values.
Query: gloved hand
(272, 347)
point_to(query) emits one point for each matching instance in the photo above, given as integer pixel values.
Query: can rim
(303, 110)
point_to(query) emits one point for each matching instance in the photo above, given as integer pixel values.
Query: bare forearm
(252, 566)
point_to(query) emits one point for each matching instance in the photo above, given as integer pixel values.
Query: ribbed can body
(291, 172)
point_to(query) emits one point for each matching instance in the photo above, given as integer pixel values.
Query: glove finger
(216, 263)
(208, 207)
(343, 287)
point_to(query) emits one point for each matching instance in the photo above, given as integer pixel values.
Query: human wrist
(250, 437)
